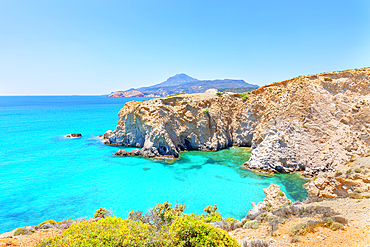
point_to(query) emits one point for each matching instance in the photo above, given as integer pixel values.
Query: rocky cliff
(310, 123)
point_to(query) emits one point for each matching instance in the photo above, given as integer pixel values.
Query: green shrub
(300, 229)
(22, 231)
(245, 97)
(336, 226)
(328, 221)
(358, 170)
(252, 224)
(268, 206)
(110, 231)
(115, 231)
(102, 213)
(280, 193)
(206, 111)
(208, 218)
(211, 215)
(219, 94)
(311, 225)
(355, 195)
(52, 222)
(348, 171)
(163, 225)
(327, 79)
(264, 217)
(166, 213)
(187, 231)
(211, 210)
(231, 219)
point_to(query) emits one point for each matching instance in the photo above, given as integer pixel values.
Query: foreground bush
(114, 231)
(187, 231)
(111, 231)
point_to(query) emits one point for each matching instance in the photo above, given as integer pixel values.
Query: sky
(78, 47)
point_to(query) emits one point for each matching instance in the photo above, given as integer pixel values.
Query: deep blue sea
(44, 175)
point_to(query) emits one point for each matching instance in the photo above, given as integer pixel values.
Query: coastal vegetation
(163, 225)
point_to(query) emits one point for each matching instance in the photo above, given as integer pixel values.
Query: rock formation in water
(310, 123)
(274, 199)
(74, 135)
(131, 93)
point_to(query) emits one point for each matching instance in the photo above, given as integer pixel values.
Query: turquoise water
(44, 175)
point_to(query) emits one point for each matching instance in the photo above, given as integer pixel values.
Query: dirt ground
(31, 240)
(355, 234)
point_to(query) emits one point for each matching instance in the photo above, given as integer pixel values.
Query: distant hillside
(182, 83)
(238, 89)
(130, 93)
(174, 81)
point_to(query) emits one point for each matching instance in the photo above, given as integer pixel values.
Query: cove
(44, 175)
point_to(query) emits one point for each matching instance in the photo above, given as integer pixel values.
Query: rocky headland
(310, 124)
(131, 93)
(182, 83)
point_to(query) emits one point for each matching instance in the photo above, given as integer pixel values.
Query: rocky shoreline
(310, 124)
(276, 221)
(336, 212)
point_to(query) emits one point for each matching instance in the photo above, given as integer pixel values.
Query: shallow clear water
(44, 175)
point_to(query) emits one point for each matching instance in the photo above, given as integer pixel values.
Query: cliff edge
(309, 123)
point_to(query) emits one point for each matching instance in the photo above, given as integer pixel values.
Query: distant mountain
(175, 80)
(182, 83)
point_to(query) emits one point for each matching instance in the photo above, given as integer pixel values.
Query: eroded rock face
(353, 179)
(311, 123)
(164, 127)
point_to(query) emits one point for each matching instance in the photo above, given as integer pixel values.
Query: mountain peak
(182, 77)
(177, 80)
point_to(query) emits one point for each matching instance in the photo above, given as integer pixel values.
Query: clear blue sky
(95, 47)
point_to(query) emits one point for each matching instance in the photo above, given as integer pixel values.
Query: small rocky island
(74, 135)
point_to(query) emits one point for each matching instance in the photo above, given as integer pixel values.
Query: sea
(44, 175)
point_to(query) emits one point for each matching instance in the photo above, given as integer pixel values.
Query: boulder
(107, 134)
(74, 135)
